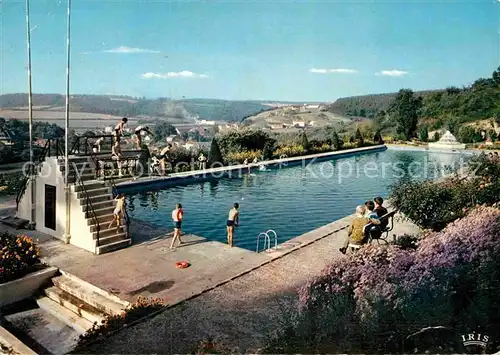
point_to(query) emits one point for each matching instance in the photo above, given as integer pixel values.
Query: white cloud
(124, 49)
(339, 70)
(181, 74)
(393, 73)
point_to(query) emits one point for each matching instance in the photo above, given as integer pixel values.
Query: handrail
(88, 204)
(275, 239)
(114, 189)
(266, 239)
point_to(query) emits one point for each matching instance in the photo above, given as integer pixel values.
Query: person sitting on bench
(355, 233)
(381, 211)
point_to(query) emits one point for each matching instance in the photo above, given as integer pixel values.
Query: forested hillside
(208, 109)
(478, 101)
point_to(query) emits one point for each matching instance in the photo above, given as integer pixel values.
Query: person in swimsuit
(138, 134)
(119, 211)
(119, 128)
(116, 154)
(232, 221)
(177, 216)
(164, 157)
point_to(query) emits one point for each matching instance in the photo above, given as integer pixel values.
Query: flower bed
(450, 279)
(19, 255)
(141, 308)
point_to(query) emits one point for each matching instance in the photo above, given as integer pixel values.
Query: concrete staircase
(99, 208)
(66, 309)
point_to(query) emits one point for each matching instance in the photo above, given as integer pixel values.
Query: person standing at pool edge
(177, 216)
(232, 221)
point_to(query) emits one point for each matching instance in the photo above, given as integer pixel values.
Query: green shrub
(10, 183)
(290, 151)
(19, 255)
(241, 156)
(215, 156)
(140, 309)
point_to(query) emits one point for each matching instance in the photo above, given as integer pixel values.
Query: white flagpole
(66, 126)
(30, 114)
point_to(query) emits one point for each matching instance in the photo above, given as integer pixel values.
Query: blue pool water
(289, 200)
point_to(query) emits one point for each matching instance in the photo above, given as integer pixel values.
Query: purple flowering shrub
(371, 300)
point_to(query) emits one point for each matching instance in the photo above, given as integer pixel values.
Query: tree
(305, 142)
(162, 130)
(404, 110)
(268, 150)
(496, 76)
(436, 136)
(215, 156)
(337, 143)
(424, 134)
(377, 138)
(359, 138)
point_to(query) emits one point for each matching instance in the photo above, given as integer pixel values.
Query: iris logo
(475, 339)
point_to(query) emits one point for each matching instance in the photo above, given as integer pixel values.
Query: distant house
(299, 124)
(312, 123)
(312, 106)
(275, 125)
(109, 129)
(209, 123)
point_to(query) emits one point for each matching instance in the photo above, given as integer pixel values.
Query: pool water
(289, 200)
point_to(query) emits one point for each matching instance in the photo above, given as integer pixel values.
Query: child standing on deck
(177, 216)
(232, 221)
(119, 211)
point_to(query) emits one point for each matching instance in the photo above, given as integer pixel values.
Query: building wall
(50, 174)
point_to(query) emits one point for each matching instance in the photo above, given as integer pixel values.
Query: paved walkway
(242, 312)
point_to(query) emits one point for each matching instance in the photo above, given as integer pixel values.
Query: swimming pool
(289, 200)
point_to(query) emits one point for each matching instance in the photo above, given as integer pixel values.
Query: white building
(299, 124)
(447, 141)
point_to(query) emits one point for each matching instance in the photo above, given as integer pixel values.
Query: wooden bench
(375, 232)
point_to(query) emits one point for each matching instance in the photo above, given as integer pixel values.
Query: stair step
(110, 239)
(83, 177)
(99, 205)
(105, 231)
(96, 198)
(99, 211)
(81, 325)
(91, 185)
(87, 293)
(74, 304)
(102, 219)
(113, 246)
(95, 192)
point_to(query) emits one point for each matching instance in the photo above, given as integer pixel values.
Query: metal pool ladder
(267, 240)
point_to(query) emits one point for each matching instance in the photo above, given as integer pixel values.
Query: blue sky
(269, 50)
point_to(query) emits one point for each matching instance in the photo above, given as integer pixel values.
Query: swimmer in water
(232, 221)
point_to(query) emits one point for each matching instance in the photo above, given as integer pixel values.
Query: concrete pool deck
(239, 313)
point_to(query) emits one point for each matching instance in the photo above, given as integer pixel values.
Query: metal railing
(89, 208)
(114, 189)
(84, 144)
(52, 144)
(267, 241)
